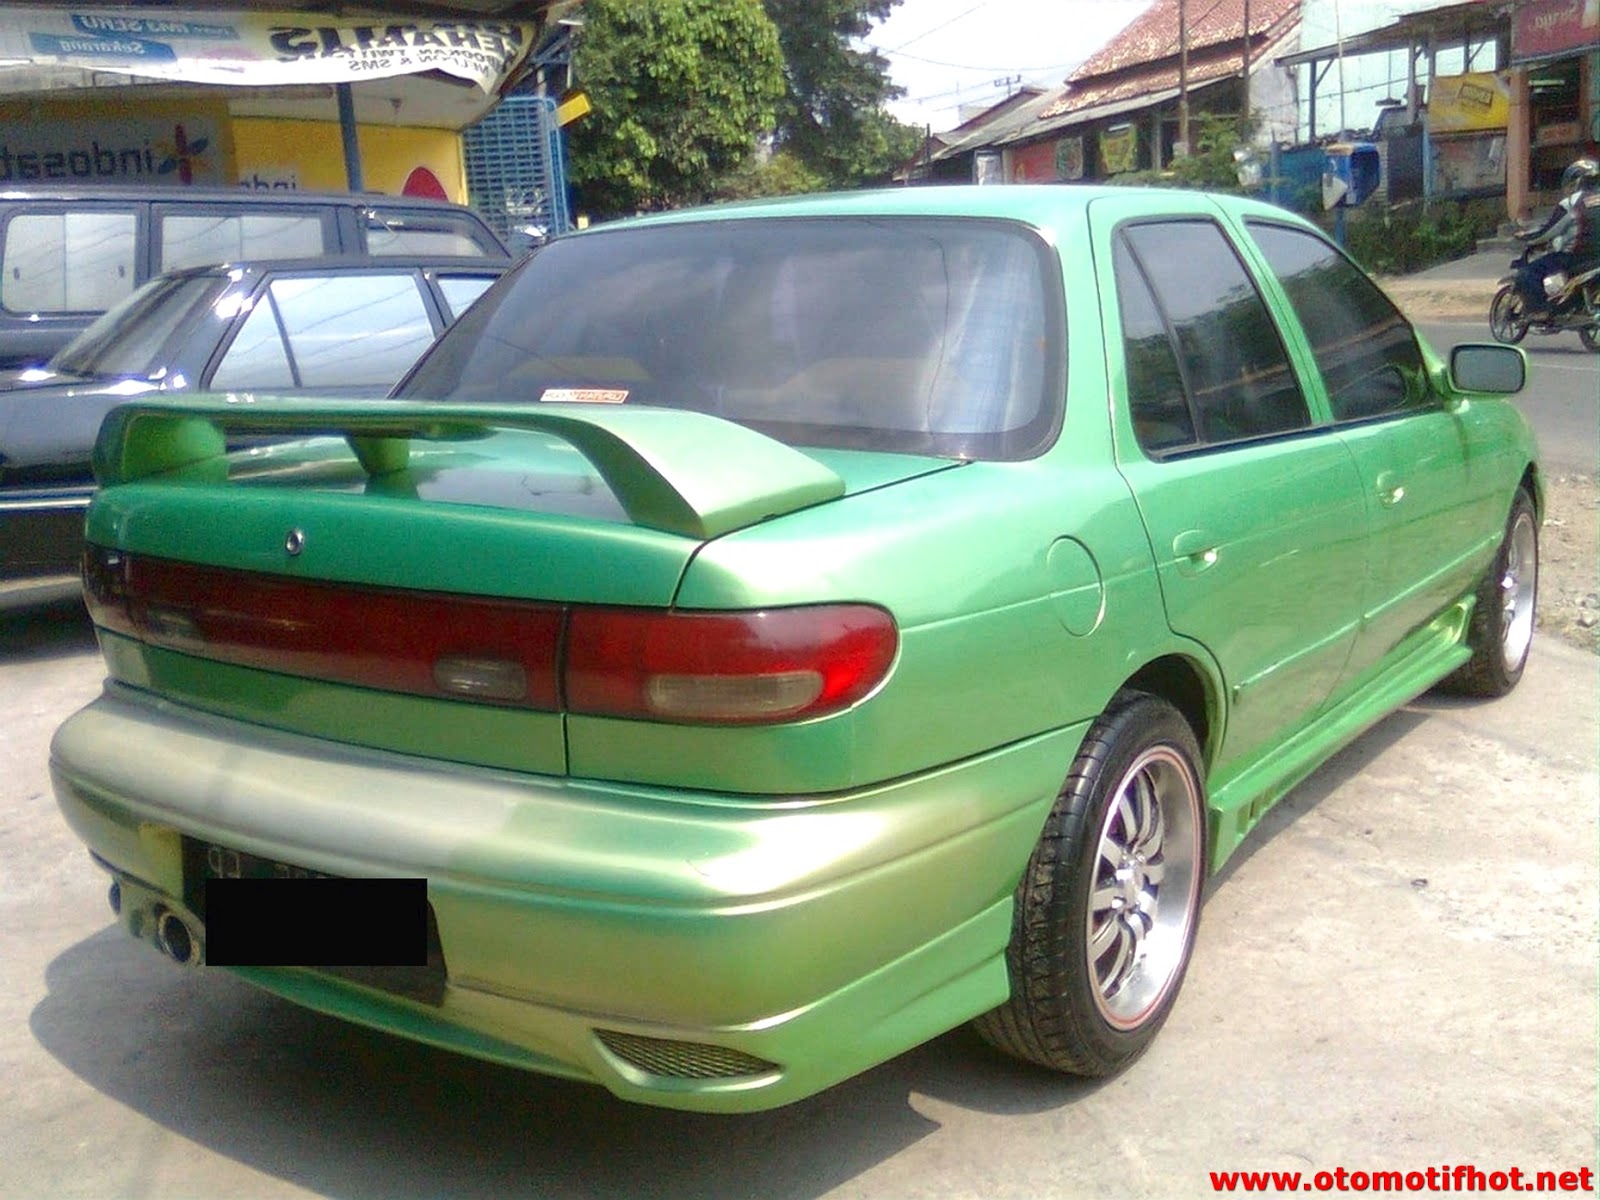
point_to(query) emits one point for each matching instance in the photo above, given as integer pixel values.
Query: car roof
(1045, 206)
(221, 195)
(334, 264)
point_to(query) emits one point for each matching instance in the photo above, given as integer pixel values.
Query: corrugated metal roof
(994, 128)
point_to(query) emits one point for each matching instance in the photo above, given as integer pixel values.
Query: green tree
(832, 116)
(682, 90)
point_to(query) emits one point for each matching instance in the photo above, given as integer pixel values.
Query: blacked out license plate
(259, 912)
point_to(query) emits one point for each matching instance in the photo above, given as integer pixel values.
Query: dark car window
(1162, 419)
(1237, 373)
(131, 339)
(350, 331)
(460, 291)
(257, 359)
(1366, 351)
(198, 239)
(59, 262)
(913, 335)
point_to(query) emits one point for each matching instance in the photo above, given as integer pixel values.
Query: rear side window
(67, 261)
(1235, 371)
(1366, 351)
(459, 291)
(912, 335)
(193, 240)
(418, 234)
(132, 337)
(353, 331)
(257, 359)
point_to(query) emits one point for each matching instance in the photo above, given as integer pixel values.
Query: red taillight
(766, 666)
(780, 664)
(463, 647)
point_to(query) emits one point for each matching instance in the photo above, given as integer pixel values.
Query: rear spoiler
(671, 470)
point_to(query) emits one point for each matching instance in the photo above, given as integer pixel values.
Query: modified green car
(777, 634)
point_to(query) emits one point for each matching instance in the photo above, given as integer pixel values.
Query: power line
(935, 28)
(961, 66)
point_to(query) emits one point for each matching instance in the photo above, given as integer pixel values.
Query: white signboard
(127, 149)
(259, 49)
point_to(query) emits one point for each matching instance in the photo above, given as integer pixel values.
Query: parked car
(68, 253)
(340, 326)
(759, 639)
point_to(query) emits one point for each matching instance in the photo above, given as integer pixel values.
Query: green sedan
(756, 640)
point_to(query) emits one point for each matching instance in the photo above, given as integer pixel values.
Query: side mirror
(1483, 367)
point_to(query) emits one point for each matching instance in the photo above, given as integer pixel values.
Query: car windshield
(129, 340)
(915, 335)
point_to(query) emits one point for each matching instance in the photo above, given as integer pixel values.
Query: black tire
(1078, 914)
(1508, 320)
(1589, 335)
(1500, 633)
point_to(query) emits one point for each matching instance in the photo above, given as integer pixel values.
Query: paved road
(1397, 972)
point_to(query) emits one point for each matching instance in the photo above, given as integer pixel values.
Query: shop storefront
(246, 98)
(1555, 97)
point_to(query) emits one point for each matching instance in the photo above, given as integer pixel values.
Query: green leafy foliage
(783, 174)
(1397, 239)
(682, 91)
(1210, 165)
(832, 117)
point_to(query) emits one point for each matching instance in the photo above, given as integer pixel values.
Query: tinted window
(67, 261)
(916, 335)
(389, 233)
(256, 359)
(197, 240)
(1162, 419)
(1365, 349)
(353, 330)
(133, 337)
(1237, 373)
(461, 290)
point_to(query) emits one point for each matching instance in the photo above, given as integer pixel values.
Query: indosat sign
(124, 150)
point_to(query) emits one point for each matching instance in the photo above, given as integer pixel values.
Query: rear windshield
(131, 339)
(920, 335)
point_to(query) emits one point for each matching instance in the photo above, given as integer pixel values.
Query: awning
(444, 70)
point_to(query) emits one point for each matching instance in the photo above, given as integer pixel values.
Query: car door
(1254, 510)
(1427, 507)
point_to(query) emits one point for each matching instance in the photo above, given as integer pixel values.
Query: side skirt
(1247, 793)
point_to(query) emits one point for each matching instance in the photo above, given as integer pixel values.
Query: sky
(948, 53)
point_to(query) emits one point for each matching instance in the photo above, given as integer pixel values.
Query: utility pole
(1244, 102)
(1183, 80)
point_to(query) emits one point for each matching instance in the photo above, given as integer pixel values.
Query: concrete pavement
(1397, 971)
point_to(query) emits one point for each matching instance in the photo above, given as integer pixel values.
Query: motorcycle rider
(1572, 231)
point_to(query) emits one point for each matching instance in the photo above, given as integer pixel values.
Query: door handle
(1390, 489)
(1195, 550)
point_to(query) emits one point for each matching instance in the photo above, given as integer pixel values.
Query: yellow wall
(310, 154)
(256, 151)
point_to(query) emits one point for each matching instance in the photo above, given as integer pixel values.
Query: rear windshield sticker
(584, 395)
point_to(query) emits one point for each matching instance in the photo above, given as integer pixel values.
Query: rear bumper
(695, 950)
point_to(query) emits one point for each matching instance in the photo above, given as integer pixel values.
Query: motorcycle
(1572, 302)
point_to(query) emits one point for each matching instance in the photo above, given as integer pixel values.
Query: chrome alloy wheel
(1146, 887)
(1518, 585)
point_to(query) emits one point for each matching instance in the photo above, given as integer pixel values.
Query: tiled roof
(1153, 35)
(1156, 81)
(1144, 56)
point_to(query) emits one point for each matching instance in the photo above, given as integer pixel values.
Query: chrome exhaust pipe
(177, 940)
